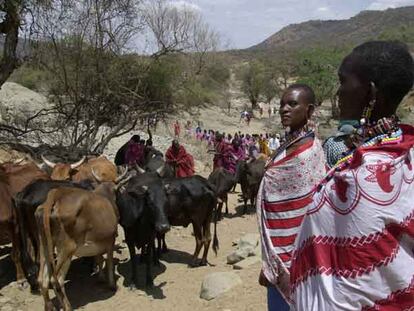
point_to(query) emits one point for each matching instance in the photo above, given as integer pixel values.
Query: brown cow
(8, 232)
(82, 169)
(13, 179)
(74, 222)
(21, 175)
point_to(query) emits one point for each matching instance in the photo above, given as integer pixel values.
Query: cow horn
(18, 161)
(122, 176)
(96, 176)
(122, 182)
(47, 162)
(139, 169)
(160, 170)
(77, 164)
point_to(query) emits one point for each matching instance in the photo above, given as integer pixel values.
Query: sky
(243, 23)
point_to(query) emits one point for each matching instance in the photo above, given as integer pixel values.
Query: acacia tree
(253, 81)
(318, 68)
(99, 90)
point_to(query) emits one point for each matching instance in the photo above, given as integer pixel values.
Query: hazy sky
(247, 22)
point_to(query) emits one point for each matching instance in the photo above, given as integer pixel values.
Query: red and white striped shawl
(285, 192)
(356, 244)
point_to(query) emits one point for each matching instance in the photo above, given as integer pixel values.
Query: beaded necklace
(385, 132)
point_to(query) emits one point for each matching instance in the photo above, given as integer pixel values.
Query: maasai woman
(286, 190)
(355, 247)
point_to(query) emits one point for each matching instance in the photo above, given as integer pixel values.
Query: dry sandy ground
(177, 287)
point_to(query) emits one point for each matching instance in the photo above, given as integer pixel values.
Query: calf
(142, 216)
(74, 222)
(223, 181)
(249, 175)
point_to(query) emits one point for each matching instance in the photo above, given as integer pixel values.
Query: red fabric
(182, 162)
(349, 257)
(288, 205)
(222, 156)
(135, 153)
(396, 301)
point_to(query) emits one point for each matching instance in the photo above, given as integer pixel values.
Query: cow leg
(219, 209)
(245, 205)
(149, 281)
(44, 280)
(164, 248)
(199, 243)
(63, 261)
(61, 274)
(15, 255)
(110, 268)
(206, 241)
(134, 265)
(226, 200)
(156, 254)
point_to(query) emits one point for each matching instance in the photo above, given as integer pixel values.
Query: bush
(30, 77)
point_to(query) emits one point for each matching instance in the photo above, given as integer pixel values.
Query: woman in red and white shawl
(355, 248)
(286, 190)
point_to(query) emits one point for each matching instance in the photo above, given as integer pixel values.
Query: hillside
(362, 27)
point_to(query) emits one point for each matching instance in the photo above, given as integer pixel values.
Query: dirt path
(177, 287)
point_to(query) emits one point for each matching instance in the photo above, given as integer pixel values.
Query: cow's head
(62, 171)
(144, 195)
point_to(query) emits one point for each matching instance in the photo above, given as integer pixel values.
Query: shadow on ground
(7, 268)
(124, 269)
(83, 288)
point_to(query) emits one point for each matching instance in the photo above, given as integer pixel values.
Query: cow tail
(215, 238)
(47, 241)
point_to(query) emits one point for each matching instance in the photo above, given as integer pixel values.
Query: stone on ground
(216, 284)
(237, 256)
(249, 241)
(245, 263)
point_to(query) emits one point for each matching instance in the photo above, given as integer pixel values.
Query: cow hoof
(194, 264)
(22, 284)
(132, 287)
(150, 285)
(203, 263)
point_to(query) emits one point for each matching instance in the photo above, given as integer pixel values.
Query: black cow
(142, 215)
(223, 181)
(249, 175)
(27, 202)
(192, 200)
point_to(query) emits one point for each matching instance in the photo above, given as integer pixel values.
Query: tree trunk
(9, 27)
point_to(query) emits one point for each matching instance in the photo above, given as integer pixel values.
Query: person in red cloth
(181, 161)
(135, 151)
(177, 129)
(222, 153)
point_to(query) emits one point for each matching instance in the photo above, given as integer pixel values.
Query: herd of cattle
(51, 212)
